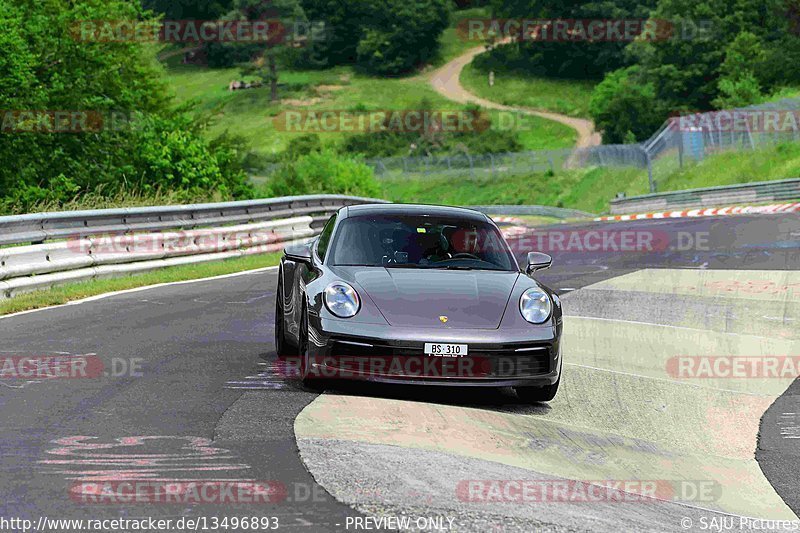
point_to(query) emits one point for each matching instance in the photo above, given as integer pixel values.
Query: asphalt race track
(189, 390)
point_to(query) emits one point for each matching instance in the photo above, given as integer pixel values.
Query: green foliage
(345, 21)
(384, 38)
(738, 86)
(45, 67)
(189, 9)
(721, 54)
(263, 60)
(686, 71)
(220, 55)
(404, 35)
(323, 172)
(172, 155)
(390, 143)
(623, 107)
(580, 59)
(493, 141)
(740, 91)
(302, 146)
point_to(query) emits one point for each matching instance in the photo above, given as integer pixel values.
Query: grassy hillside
(569, 97)
(591, 189)
(249, 113)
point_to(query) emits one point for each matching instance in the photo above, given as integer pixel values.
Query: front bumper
(386, 354)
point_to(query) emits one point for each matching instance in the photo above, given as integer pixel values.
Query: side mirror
(538, 261)
(299, 253)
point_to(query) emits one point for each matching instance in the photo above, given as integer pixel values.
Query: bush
(303, 145)
(486, 142)
(383, 38)
(219, 55)
(622, 106)
(739, 86)
(157, 148)
(378, 144)
(323, 172)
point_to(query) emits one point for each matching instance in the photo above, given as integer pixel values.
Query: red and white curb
(514, 231)
(507, 220)
(511, 226)
(710, 212)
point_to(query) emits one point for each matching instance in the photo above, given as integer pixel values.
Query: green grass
(76, 291)
(773, 163)
(587, 190)
(452, 44)
(591, 189)
(568, 97)
(784, 92)
(249, 113)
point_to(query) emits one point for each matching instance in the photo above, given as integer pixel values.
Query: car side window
(325, 237)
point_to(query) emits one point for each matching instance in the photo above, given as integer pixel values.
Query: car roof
(413, 209)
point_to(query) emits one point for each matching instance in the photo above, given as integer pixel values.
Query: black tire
(537, 394)
(282, 346)
(309, 382)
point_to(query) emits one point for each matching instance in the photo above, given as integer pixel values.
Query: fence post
(649, 170)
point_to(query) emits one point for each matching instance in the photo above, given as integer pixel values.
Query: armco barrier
(531, 210)
(763, 191)
(82, 245)
(42, 227)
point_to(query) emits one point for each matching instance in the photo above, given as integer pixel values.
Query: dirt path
(446, 82)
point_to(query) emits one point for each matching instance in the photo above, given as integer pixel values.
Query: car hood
(470, 299)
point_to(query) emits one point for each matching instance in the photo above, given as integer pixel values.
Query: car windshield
(420, 241)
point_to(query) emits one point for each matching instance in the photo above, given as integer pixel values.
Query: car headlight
(342, 300)
(535, 306)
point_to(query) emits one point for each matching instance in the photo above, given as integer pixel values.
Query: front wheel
(310, 381)
(282, 346)
(537, 394)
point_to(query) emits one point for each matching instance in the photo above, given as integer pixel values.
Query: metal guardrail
(41, 227)
(83, 245)
(763, 191)
(531, 210)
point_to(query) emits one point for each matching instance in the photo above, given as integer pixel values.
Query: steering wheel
(465, 255)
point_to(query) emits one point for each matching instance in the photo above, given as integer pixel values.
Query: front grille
(402, 359)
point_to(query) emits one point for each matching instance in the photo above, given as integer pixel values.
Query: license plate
(445, 350)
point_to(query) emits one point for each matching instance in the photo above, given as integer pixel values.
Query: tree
(625, 108)
(345, 21)
(402, 35)
(738, 85)
(283, 16)
(579, 59)
(385, 37)
(687, 68)
(47, 66)
(189, 9)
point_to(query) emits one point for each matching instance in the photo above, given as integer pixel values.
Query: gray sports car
(418, 294)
